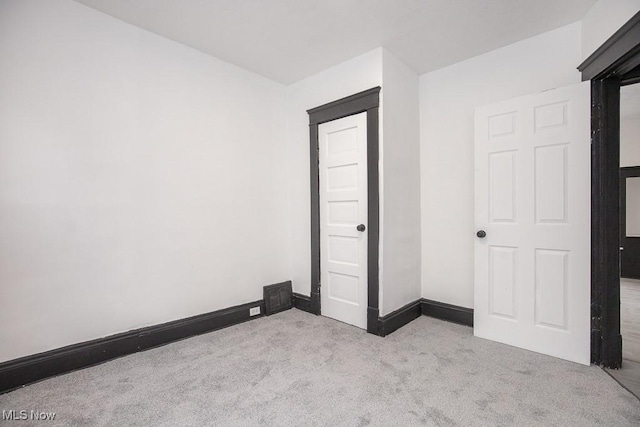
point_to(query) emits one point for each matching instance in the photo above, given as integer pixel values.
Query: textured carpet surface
(294, 368)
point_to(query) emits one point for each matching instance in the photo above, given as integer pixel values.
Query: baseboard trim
(26, 370)
(439, 310)
(29, 369)
(373, 320)
(302, 302)
(400, 317)
(448, 312)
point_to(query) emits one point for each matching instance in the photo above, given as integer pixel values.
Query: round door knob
(481, 234)
(361, 227)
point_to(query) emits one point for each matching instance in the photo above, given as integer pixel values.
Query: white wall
(400, 177)
(447, 100)
(399, 169)
(603, 19)
(358, 74)
(140, 180)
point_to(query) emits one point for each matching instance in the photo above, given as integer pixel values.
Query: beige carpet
(294, 368)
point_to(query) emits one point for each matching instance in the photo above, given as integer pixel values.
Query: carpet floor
(294, 368)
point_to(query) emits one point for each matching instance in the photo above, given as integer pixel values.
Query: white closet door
(343, 215)
(532, 199)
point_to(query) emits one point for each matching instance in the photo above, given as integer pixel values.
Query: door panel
(502, 172)
(343, 206)
(551, 286)
(503, 283)
(551, 183)
(532, 198)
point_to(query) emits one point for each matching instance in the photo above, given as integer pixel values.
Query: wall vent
(277, 297)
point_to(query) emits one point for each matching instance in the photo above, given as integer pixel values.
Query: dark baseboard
(383, 326)
(29, 369)
(448, 312)
(315, 303)
(439, 310)
(302, 302)
(373, 320)
(397, 319)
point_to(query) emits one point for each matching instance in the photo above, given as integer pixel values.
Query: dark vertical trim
(315, 219)
(606, 345)
(373, 317)
(373, 187)
(623, 209)
(367, 101)
(622, 221)
(614, 63)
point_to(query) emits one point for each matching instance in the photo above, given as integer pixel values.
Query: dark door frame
(628, 243)
(369, 102)
(612, 65)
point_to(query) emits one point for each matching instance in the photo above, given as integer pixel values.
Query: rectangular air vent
(277, 297)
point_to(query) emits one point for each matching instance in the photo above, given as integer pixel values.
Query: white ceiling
(287, 40)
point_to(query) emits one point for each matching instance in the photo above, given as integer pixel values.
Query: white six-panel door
(532, 199)
(342, 153)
